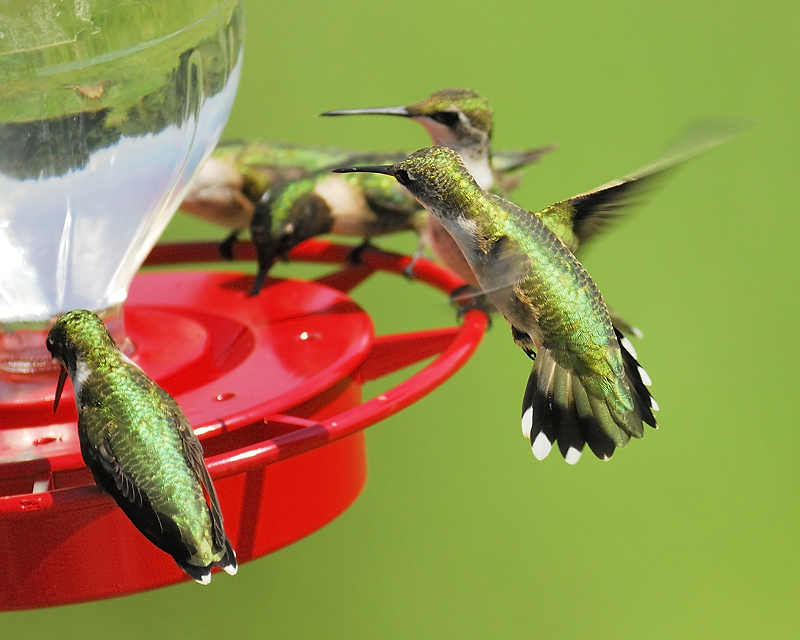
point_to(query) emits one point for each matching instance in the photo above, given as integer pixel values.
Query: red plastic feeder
(272, 387)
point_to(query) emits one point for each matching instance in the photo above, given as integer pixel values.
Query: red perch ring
(271, 385)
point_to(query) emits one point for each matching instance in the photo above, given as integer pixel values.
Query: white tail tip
(626, 344)
(527, 422)
(541, 446)
(573, 455)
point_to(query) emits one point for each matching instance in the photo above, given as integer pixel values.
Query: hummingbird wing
(578, 219)
(126, 486)
(194, 454)
(507, 165)
(275, 153)
(111, 478)
(193, 451)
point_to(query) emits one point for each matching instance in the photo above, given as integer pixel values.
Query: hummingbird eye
(447, 118)
(403, 177)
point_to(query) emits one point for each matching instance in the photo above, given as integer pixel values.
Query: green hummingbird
(462, 120)
(586, 386)
(238, 172)
(362, 205)
(140, 448)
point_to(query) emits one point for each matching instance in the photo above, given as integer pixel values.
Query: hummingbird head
(435, 176)
(73, 341)
(457, 118)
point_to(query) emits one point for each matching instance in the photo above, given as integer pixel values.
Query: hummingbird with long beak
(140, 448)
(586, 386)
(462, 120)
(360, 205)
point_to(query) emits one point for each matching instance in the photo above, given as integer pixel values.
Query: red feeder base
(272, 387)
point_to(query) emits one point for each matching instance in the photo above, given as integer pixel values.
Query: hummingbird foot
(258, 283)
(354, 257)
(226, 246)
(408, 272)
(466, 298)
(422, 245)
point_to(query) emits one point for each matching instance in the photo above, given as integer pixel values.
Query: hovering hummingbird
(140, 448)
(362, 205)
(586, 386)
(462, 120)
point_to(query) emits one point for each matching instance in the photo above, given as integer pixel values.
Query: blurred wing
(503, 161)
(501, 267)
(581, 217)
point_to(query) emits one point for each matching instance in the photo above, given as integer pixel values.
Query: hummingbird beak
(386, 169)
(62, 378)
(381, 111)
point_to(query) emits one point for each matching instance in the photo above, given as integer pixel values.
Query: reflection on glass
(108, 110)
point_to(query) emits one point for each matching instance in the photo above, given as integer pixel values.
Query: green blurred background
(460, 532)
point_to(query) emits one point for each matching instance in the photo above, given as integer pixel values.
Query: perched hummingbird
(140, 448)
(237, 174)
(462, 120)
(586, 386)
(364, 205)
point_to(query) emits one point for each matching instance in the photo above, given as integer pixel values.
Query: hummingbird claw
(354, 257)
(258, 283)
(466, 298)
(226, 246)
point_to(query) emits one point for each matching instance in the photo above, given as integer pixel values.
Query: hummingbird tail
(557, 408)
(201, 575)
(228, 561)
(638, 381)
